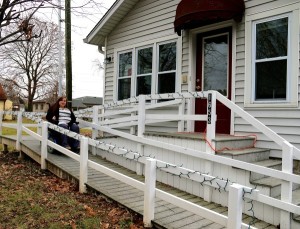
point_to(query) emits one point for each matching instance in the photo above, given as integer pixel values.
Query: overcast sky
(87, 78)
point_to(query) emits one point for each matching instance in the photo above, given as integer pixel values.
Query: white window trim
(293, 65)
(134, 48)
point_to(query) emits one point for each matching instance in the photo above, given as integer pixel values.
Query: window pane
(143, 85)
(271, 80)
(272, 38)
(167, 57)
(144, 62)
(125, 64)
(124, 88)
(215, 64)
(166, 83)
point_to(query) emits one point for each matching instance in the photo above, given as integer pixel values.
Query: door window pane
(216, 64)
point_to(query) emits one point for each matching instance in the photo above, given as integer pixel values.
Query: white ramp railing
(137, 117)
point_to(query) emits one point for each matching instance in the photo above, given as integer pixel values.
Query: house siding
(150, 20)
(283, 121)
(147, 21)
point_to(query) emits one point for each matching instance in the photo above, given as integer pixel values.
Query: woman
(60, 115)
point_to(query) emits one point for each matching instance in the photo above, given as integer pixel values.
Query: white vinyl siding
(149, 21)
(283, 120)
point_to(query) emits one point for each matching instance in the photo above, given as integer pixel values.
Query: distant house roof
(2, 93)
(39, 101)
(86, 101)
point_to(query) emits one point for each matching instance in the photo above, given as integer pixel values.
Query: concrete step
(269, 163)
(272, 187)
(229, 142)
(248, 155)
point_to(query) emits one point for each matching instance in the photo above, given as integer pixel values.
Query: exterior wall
(283, 121)
(40, 107)
(147, 21)
(150, 20)
(8, 107)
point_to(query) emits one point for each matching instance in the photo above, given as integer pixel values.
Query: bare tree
(17, 15)
(32, 66)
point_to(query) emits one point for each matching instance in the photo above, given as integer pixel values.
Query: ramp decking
(167, 215)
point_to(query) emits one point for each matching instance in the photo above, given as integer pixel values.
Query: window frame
(292, 12)
(154, 76)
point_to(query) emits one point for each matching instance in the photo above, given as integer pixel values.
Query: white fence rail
(138, 118)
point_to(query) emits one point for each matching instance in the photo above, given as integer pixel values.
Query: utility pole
(68, 52)
(59, 50)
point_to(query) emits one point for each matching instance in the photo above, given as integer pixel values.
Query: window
(167, 68)
(146, 70)
(125, 72)
(42, 106)
(272, 58)
(36, 106)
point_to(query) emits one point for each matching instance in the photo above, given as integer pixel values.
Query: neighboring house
(246, 50)
(40, 106)
(85, 102)
(3, 98)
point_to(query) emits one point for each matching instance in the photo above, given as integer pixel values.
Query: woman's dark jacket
(53, 116)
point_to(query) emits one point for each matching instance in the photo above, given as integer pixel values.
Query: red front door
(213, 72)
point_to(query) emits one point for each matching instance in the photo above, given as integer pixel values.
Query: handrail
(174, 99)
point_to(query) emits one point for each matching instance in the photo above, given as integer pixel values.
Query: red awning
(195, 13)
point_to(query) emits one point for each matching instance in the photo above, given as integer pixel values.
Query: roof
(109, 21)
(2, 93)
(87, 101)
(39, 101)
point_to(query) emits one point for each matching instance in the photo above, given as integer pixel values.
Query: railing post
(149, 192)
(44, 148)
(95, 132)
(1, 121)
(286, 186)
(83, 173)
(141, 130)
(181, 108)
(141, 115)
(19, 131)
(210, 137)
(235, 206)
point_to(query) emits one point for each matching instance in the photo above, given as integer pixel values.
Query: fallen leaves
(33, 198)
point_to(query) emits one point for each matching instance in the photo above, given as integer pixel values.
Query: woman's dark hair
(55, 106)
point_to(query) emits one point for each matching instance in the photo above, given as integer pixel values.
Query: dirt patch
(33, 198)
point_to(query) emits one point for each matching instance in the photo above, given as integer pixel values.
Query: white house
(247, 50)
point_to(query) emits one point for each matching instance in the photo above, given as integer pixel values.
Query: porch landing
(167, 215)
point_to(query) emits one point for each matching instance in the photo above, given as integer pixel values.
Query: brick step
(248, 155)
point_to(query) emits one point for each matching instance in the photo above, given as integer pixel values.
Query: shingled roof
(2, 93)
